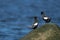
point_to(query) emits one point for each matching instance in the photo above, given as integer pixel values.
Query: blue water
(17, 15)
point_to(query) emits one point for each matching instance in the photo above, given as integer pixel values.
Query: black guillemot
(35, 24)
(45, 18)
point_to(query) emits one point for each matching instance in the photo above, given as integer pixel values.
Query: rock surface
(46, 32)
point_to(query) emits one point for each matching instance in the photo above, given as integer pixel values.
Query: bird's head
(35, 17)
(42, 13)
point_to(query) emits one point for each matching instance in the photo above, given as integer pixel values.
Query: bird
(45, 18)
(35, 24)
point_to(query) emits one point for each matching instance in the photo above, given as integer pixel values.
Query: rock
(48, 31)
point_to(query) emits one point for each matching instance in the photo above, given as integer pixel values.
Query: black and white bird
(35, 24)
(45, 18)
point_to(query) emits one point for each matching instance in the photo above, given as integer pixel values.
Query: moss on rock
(46, 32)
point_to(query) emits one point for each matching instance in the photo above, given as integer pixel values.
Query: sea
(16, 16)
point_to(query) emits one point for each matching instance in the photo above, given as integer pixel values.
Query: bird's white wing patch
(45, 17)
(35, 24)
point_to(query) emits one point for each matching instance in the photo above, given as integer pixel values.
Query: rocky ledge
(47, 31)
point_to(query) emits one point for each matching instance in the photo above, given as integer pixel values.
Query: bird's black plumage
(35, 24)
(45, 18)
